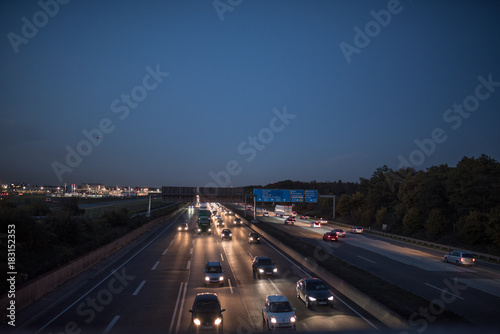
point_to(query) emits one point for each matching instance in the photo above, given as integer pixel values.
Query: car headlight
(179, 228)
(251, 239)
(197, 321)
(199, 230)
(273, 320)
(207, 278)
(275, 270)
(230, 234)
(218, 321)
(293, 319)
(209, 229)
(312, 299)
(330, 298)
(221, 278)
(261, 270)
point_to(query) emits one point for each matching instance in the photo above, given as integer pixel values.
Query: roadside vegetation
(49, 236)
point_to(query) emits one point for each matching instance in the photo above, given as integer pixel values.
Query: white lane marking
(191, 251)
(188, 265)
(111, 324)
(364, 258)
(251, 256)
(138, 288)
(222, 257)
(175, 309)
(432, 286)
(105, 278)
(279, 292)
(165, 251)
(155, 265)
(230, 286)
(180, 309)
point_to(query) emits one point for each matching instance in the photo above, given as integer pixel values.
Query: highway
(472, 292)
(149, 287)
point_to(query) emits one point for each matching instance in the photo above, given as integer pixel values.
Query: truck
(283, 210)
(204, 222)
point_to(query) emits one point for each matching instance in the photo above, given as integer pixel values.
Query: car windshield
(265, 262)
(467, 255)
(214, 269)
(206, 306)
(316, 286)
(277, 307)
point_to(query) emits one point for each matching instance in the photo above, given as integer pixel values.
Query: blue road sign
(297, 196)
(311, 196)
(272, 195)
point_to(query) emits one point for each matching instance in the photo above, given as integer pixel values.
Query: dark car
(237, 221)
(226, 234)
(182, 227)
(290, 221)
(330, 236)
(314, 291)
(262, 265)
(339, 232)
(254, 237)
(207, 312)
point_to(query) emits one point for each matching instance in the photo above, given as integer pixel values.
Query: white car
(278, 313)
(317, 223)
(357, 229)
(265, 214)
(460, 258)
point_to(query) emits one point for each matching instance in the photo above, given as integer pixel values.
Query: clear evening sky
(189, 92)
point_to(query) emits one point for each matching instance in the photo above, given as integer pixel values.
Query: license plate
(207, 327)
(268, 273)
(322, 303)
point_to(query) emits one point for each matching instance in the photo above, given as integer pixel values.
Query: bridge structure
(204, 194)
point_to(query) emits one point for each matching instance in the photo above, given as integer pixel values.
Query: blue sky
(182, 87)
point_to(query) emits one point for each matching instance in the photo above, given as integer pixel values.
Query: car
(330, 236)
(230, 213)
(182, 227)
(262, 265)
(339, 232)
(303, 217)
(316, 223)
(323, 221)
(265, 214)
(460, 258)
(214, 273)
(219, 222)
(313, 291)
(278, 313)
(207, 312)
(254, 237)
(226, 234)
(290, 221)
(237, 221)
(357, 229)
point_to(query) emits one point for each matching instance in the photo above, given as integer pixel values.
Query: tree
(344, 205)
(412, 222)
(435, 225)
(472, 229)
(381, 216)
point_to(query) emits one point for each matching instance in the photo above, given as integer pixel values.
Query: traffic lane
(150, 308)
(254, 290)
(475, 305)
(209, 248)
(87, 305)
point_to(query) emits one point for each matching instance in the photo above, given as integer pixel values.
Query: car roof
(276, 298)
(262, 258)
(206, 296)
(213, 263)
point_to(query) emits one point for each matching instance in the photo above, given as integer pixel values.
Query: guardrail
(487, 257)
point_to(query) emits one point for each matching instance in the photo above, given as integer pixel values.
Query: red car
(330, 236)
(289, 221)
